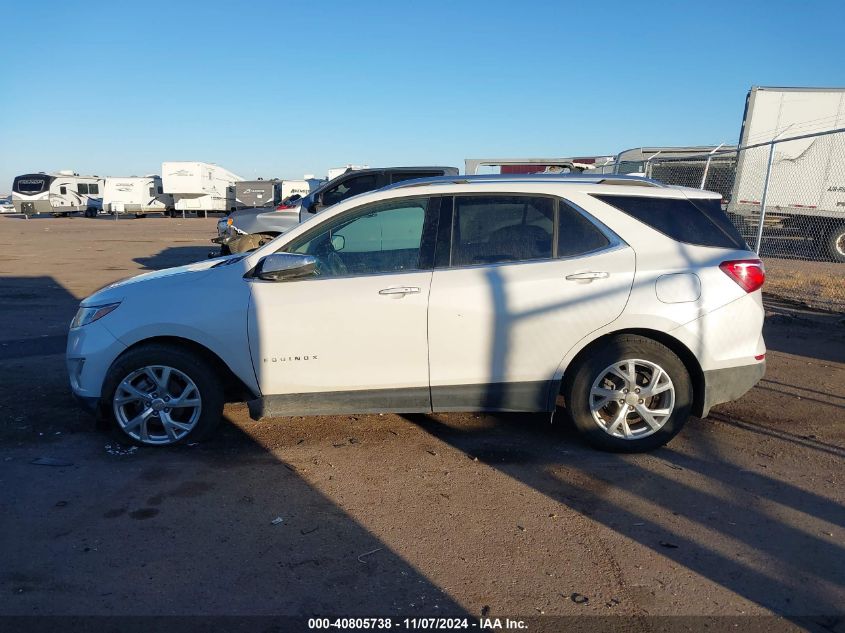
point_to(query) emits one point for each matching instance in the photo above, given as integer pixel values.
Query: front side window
(493, 229)
(350, 187)
(382, 238)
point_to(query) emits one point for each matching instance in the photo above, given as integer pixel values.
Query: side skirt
(515, 397)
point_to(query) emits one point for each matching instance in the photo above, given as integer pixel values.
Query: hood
(117, 290)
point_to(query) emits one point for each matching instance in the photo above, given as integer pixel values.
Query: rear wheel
(835, 243)
(630, 394)
(160, 395)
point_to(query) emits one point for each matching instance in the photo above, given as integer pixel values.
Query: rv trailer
(806, 189)
(301, 187)
(255, 194)
(60, 194)
(136, 194)
(334, 172)
(199, 187)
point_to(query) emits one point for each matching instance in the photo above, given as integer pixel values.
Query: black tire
(140, 215)
(835, 243)
(579, 380)
(195, 367)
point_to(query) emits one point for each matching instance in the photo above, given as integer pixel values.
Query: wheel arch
(679, 348)
(235, 388)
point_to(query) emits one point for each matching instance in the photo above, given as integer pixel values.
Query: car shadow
(219, 528)
(640, 498)
(177, 256)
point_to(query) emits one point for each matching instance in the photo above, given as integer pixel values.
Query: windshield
(31, 184)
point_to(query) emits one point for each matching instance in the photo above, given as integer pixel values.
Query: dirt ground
(460, 514)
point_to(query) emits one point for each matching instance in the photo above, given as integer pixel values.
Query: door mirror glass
(338, 242)
(286, 267)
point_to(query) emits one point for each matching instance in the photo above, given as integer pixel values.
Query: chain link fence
(787, 198)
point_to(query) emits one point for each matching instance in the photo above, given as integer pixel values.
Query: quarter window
(694, 221)
(492, 229)
(576, 235)
(382, 238)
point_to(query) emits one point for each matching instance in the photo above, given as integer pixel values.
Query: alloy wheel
(157, 404)
(632, 399)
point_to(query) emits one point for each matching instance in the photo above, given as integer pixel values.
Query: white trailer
(136, 194)
(300, 187)
(199, 187)
(806, 188)
(334, 172)
(60, 194)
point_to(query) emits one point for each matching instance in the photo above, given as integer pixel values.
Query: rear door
(522, 279)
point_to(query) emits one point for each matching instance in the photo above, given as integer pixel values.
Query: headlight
(86, 315)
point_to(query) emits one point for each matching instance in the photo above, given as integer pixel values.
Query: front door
(527, 277)
(353, 338)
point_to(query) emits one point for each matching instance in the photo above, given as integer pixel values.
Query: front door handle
(399, 290)
(588, 276)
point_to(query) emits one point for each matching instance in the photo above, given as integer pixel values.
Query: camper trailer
(199, 187)
(60, 194)
(300, 188)
(136, 194)
(334, 172)
(254, 194)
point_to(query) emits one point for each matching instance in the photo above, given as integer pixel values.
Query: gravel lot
(500, 515)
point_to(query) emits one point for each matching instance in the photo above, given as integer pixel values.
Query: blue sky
(284, 88)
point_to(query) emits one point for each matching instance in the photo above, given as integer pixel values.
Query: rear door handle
(399, 290)
(588, 276)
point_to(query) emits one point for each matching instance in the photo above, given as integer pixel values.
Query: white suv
(639, 304)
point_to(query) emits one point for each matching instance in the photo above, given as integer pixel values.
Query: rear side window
(82, 188)
(701, 222)
(491, 229)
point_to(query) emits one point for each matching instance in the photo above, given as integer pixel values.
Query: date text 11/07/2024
(429, 624)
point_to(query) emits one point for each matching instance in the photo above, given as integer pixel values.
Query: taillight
(283, 207)
(748, 273)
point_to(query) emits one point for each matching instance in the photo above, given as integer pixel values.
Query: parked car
(638, 303)
(6, 205)
(248, 229)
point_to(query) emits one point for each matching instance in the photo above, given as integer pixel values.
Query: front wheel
(160, 395)
(631, 394)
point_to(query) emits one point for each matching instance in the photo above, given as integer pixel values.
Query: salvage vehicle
(637, 303)
(248, 229)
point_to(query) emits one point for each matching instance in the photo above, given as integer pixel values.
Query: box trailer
(806, 189)
(136, 194)
(199, 187)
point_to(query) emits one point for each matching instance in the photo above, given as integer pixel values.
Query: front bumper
(730, 383)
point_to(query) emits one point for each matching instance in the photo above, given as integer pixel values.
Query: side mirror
(286, 267)
(338, 242)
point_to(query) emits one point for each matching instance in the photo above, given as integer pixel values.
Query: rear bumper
(730, 383)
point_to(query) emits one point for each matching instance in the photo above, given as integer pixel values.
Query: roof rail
(598, 179)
